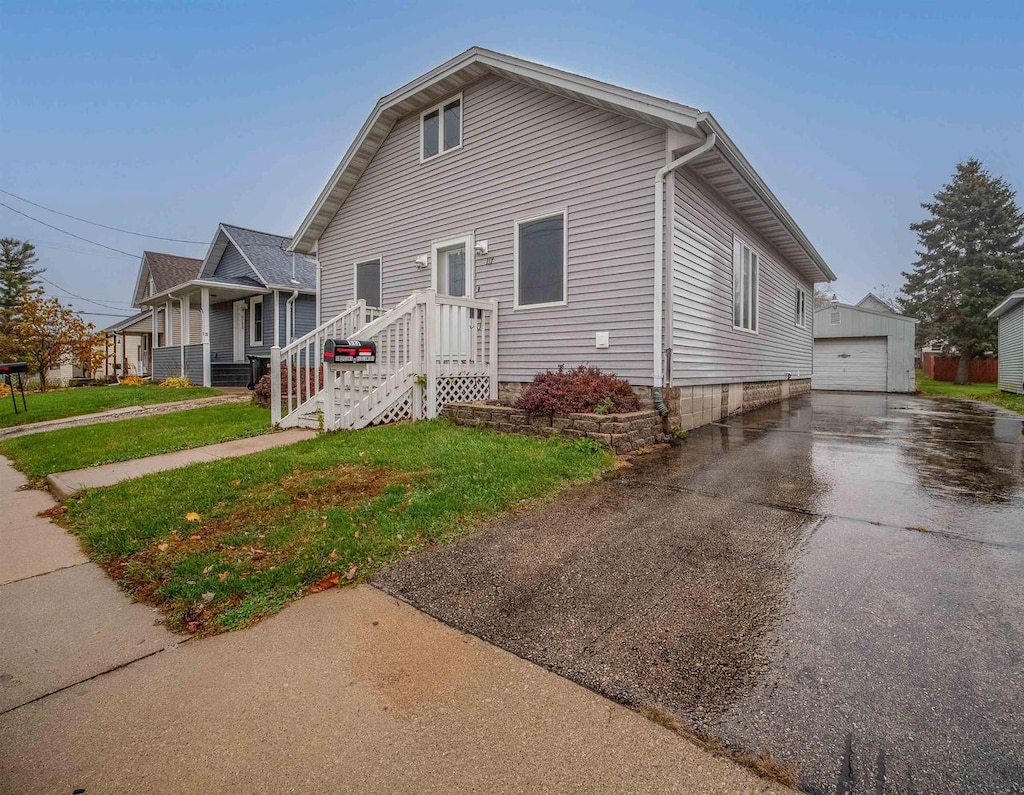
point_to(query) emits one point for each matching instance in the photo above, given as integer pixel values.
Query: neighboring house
(514, 217)
(1011, 342)
(127, 346)
(876, 304)
(860, 348)
(247, 295)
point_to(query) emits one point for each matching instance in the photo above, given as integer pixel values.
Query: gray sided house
(546, 218)
(1011, 342)
(127, 345)
(863, 349)
(249, 294)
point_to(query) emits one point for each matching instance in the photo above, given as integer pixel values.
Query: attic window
(441, 128)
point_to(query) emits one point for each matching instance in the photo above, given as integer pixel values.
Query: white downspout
(659, 264)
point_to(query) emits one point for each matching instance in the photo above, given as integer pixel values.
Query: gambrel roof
(723, 166)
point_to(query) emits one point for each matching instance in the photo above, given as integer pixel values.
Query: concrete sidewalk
(348, 690)
(64, 484)
(62, 620)
(128, 412)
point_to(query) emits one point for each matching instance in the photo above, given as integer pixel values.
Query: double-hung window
(540, 261)
(746, 266)
(368, 282)
(800, 316)
(256, 320)
(441, 128)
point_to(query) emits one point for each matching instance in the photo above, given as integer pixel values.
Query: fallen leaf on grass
(329, 581)
(223, 575)
(195, 538)
(208, 596)
(333, 556)
(351, 573)
(192, 516)
(162, 546)
(236, 482)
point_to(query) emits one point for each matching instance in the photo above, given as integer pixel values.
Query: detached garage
(863, 350)
(1011, 342)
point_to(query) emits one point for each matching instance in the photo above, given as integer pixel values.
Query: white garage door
(858, 364)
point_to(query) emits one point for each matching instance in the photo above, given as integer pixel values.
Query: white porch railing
(431, 350)
(296, 370)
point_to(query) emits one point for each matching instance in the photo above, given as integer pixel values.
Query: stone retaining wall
(623, 433)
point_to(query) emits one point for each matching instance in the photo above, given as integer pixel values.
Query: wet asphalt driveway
(838, 580)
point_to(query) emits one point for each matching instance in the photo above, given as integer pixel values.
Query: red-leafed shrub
(261, 393)
(582, 389)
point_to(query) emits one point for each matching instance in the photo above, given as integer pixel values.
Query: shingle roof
(169, 270)
(129, 321)
(272, 261)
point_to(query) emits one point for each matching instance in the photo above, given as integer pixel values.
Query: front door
(453, 277)
(238, 331)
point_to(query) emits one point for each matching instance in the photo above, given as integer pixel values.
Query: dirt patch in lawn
(265, 536)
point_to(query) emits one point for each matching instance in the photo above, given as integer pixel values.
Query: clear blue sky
(169, 117)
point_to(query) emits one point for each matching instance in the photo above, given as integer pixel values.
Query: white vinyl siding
(858, 364)
(1011, 350)
(525, 151)
(539, 261)
(706, 348)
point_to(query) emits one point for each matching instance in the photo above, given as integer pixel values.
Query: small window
(256, 321)
(441, 128)
(801, 308)
(835, 317)
(746, 265)
(540, 261)
(368, 282)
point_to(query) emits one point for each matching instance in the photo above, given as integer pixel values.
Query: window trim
(737, 256)
(801, 297)
(379, 259)
(253, 341)
(516, 306)
(439, 107)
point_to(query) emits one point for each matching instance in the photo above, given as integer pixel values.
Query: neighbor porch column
(205, 311)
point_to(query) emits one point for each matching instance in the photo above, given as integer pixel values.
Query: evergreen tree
(19, 280)
(970, 257)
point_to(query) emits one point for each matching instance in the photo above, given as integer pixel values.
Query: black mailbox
(350, 352)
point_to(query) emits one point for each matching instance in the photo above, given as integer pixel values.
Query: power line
(81, 297)
(102, 226)
(102, 314)
(71, 234)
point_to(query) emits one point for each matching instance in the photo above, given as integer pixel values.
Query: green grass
(58, 403)
(271, 527)
(989, 393)
(41, 454)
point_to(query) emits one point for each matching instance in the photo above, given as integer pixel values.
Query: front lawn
(988, 393)
(219, 545)
(41, 454)
(58, 403)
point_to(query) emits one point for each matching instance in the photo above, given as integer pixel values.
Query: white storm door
(453, 276)
(238, 331)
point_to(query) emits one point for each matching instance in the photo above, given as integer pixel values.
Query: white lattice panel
(400, 409)
(462, 389)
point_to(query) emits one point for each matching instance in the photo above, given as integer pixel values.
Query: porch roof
(135, 323)
(222, 288)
